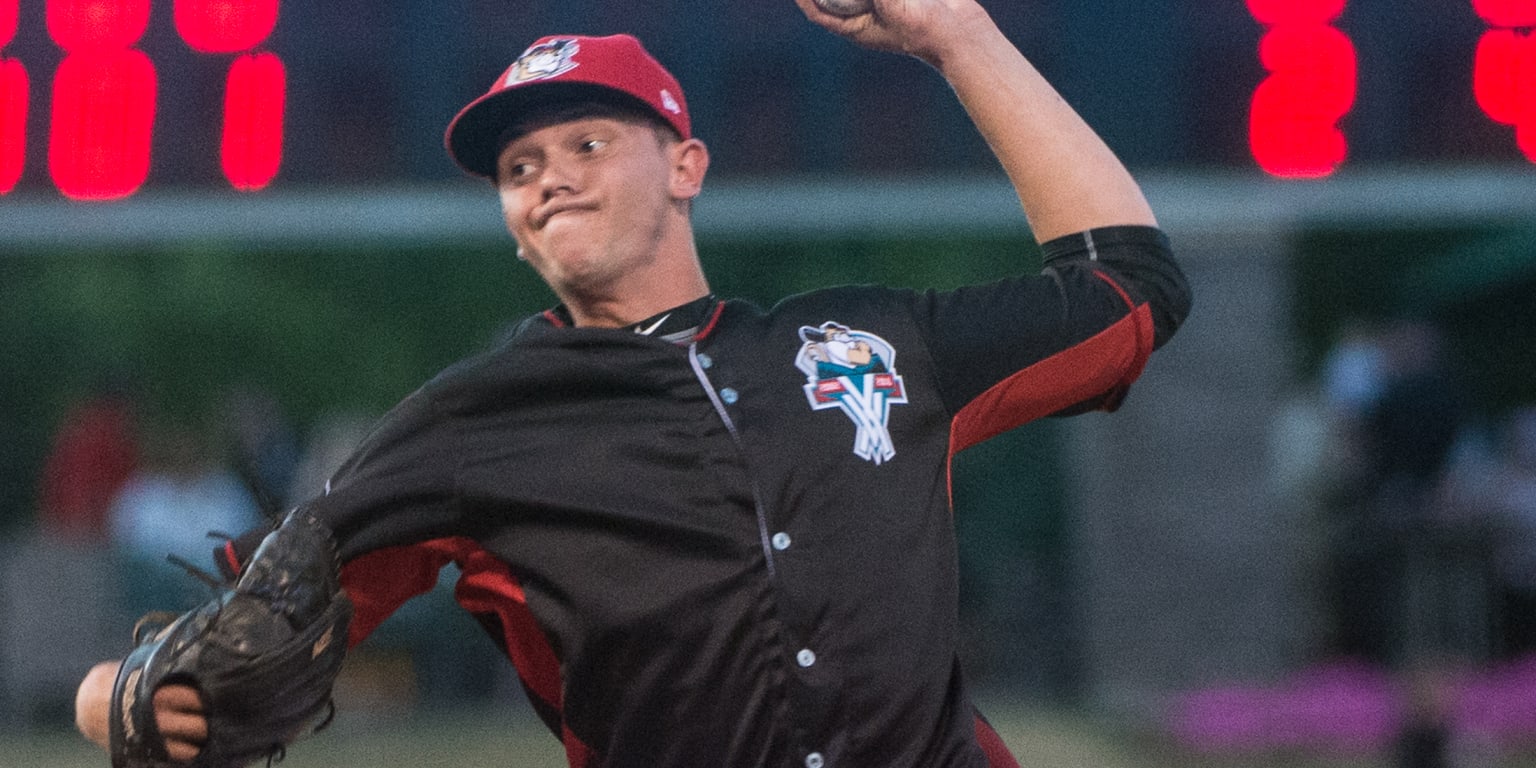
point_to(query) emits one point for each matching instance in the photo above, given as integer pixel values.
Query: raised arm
(1067, 179)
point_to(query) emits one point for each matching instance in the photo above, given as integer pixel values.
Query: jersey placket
(803, 658)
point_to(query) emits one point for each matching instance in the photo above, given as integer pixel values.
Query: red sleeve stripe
(992, 745)
(487, 586)
(1106, 363)
(381, 581)
(1123, 295)
(577, 753)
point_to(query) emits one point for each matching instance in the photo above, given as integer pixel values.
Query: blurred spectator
(1498, 486)
(1407, 574)
(94, 451)
(1413, 424)
(1352, 375)
(264, 449)
(1394, 552)
(180, 495)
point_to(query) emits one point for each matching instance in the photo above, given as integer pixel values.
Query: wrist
(964, 31)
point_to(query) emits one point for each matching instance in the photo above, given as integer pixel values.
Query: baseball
(846, 7)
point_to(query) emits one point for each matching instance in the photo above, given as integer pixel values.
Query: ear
(690, 161)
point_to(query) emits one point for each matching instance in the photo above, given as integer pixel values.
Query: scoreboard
(1312, 82)
(84, 84)
(102, 112)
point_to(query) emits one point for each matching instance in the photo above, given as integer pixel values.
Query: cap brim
(474, 135)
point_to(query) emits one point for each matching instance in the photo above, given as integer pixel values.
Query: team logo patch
(669, 102)
(855, 372)
(544, 61)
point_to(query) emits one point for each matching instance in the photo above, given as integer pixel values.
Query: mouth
(552, 211)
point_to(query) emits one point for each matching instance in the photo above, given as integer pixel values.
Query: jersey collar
(678, 325)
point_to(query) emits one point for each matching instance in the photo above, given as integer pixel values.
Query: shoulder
(864, 298)
(504, 350)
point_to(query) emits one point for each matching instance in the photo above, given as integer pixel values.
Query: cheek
(512, 210)
(508, 200)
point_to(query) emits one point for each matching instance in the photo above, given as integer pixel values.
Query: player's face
(589, 199)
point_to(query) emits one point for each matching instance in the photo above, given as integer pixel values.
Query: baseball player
(705, 533)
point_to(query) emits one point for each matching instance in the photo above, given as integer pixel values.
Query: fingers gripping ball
(264, 655)
(846, 7)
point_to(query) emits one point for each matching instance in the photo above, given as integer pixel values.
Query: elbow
(1170, 308)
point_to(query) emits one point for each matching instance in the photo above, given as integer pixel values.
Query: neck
(617, 312)
(667, 283)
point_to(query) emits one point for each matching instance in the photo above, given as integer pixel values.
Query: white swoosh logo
(654, 326)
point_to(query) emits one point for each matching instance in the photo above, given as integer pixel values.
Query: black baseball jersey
(734, 547)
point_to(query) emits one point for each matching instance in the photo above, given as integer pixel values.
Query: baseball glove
(263, 654)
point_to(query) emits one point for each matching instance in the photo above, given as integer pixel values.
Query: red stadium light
(79, 26)
(10, 13)
(13, 103)
(1506, 13)
(103, 98)
(1275, 13)
(103, 116)
(252, 148)
(225, 26)
(1293, 123)
(1497, 71)
(13, 123)
(1504, 69)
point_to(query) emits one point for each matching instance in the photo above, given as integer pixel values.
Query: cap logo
(544, 61)
(670, 103)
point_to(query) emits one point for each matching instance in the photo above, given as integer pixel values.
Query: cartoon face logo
(855, 372)
(544, 61)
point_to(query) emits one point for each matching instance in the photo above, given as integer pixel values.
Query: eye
(518, 172)
(592, 145)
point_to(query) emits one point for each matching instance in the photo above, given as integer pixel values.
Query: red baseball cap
(558, 67)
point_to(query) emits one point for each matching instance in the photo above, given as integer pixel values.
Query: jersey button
(806, 657)
(730, 396)
(814, 760)
(705, 361)
(781, 541)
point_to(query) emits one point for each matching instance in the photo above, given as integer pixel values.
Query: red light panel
(1504, 69)
(13, 123)
(1293, 124)
(10, 11)
(78, 26)
(1507, 13)
(103, 115)
(254, 99)
(1285, 12)
(225, 26)
(1496, 74)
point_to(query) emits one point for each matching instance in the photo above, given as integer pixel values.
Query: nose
(558, 177)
